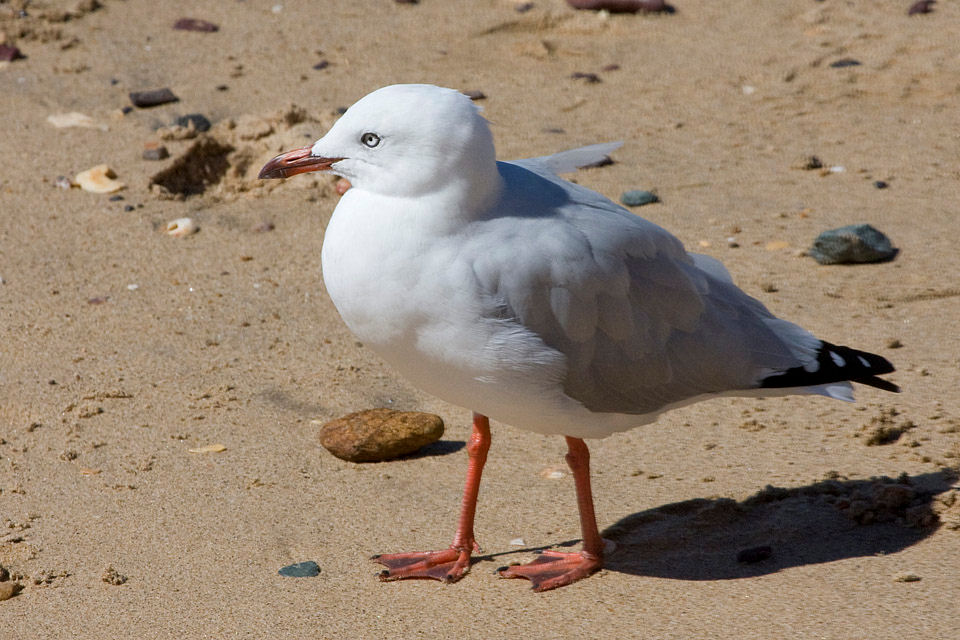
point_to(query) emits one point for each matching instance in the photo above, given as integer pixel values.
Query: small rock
(638, 198)
(4, 574)
(856, 243)
(881, 184)
(152, 98)
(808, 163)
(63, 182)
(308, 569)
(623, 6)
(195, 24)
(9, 589)
(9, 53)
(591, 78)
(155, 151)
(906, 576)
(894, 343)
(181, 227)
(263, 227)
(112, 576)
(99, 179)
(845, 62)
(320, 66)
(754, 554)
(475, 94)
(523, 7)
(198, 120)
(921, 7)
(380, 434)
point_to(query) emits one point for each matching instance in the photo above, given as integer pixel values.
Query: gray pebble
(156, 153)
(852, 244)
(200, 121)
(845, 62)
(638, 197)
(307, 569)
(152, 98)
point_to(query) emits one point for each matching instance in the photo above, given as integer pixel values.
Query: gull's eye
(370, 139)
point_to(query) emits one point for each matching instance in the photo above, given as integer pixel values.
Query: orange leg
(554, 569)
(448, 565)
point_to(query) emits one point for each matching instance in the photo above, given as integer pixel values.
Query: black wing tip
(837, 363)
(878, 383)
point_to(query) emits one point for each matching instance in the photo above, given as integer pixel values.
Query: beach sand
(123, 348)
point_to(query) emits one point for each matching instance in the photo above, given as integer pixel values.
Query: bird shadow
(778, 528)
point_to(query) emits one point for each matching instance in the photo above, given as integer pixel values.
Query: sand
(123, 348)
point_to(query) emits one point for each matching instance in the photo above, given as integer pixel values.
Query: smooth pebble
(380, 434)
(856, 243)
(638, 198)
(307, 569)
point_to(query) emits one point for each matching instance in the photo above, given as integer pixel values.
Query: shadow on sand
(777, 528)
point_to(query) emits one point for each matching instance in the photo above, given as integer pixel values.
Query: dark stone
(116, 198)
(591, 78)
(475, 94)
(638, 198)
(323, 64)
(845, 62)
(195, 24)
(129, 207)
(524, 7)
(152, 98)
(308, 569)
(200, 121)
(156, 153)
(9, 53)
(921, 7)
(880, 184)
(856, 243)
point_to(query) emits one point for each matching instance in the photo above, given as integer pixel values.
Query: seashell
(99, 179)
(74, 119)
(181, 227)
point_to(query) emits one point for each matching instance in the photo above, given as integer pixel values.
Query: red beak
(293, 162)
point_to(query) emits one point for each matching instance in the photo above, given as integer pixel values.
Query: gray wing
(640, 324)
(572, 159)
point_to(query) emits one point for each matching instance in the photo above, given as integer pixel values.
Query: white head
(402, 140)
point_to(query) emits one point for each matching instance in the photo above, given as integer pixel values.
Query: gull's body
(504, 289)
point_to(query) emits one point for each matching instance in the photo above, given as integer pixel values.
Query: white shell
(99, 179)
(181, 227)
(74, 119)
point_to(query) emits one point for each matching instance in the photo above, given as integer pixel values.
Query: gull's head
(402, 140)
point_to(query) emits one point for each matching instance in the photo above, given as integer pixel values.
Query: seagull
(504, 289)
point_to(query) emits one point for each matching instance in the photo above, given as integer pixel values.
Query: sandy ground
(124, 348)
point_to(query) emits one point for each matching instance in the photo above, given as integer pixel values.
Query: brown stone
(375, 435)
(9, 589)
